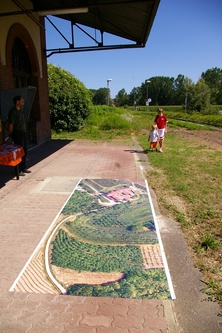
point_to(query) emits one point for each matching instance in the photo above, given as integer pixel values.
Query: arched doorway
(26, 66)
(22, 77)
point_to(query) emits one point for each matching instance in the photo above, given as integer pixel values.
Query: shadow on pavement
(137, 151)
(34, 156)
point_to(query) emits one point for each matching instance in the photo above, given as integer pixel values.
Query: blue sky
(186, 38)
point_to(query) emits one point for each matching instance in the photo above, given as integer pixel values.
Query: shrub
(69, 100)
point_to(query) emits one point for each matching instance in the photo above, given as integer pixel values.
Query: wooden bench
(11, 154)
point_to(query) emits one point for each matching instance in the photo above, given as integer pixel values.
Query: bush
(69, 100)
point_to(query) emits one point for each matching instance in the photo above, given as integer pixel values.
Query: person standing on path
(161, 121)
(153, 137)
(17, 130)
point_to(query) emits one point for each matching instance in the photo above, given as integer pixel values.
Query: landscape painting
(104, 243)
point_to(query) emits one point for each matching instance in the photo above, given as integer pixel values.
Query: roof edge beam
(76, 10)
(93, 48)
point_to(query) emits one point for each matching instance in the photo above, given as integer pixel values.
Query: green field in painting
(127, 223)
(101, 238)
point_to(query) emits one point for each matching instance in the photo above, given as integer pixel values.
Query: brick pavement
(28, 207)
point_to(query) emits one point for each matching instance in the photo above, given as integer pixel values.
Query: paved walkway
(28, 207)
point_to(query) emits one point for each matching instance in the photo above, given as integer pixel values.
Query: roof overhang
(130, 19)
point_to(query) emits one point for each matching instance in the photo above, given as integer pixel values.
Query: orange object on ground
(11, 154)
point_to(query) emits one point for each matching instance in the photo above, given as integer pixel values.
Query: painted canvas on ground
(104, 243)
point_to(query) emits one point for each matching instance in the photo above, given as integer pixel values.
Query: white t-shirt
(154, 136)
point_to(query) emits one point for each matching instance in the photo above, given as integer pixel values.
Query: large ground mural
(104, 243)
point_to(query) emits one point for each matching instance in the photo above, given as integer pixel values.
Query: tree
(69, 100)
(100, 96)
(179, 89)
(198, 96)
(213, 78)
(121, 98)
(161, 90)
(134, 96)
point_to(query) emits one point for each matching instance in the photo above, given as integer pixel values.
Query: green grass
(209, 242)
(104, 123)
(189, 125)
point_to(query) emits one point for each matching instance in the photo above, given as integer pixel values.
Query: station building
(23, 52)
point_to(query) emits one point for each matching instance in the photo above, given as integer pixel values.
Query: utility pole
(108, 91)
(147, 96)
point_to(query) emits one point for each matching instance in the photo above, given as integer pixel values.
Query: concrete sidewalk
(28, 207)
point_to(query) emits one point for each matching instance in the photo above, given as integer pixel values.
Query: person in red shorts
(161, 121)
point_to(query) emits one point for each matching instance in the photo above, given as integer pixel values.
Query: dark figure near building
(17, 130)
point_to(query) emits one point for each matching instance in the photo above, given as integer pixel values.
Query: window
(21, 66)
